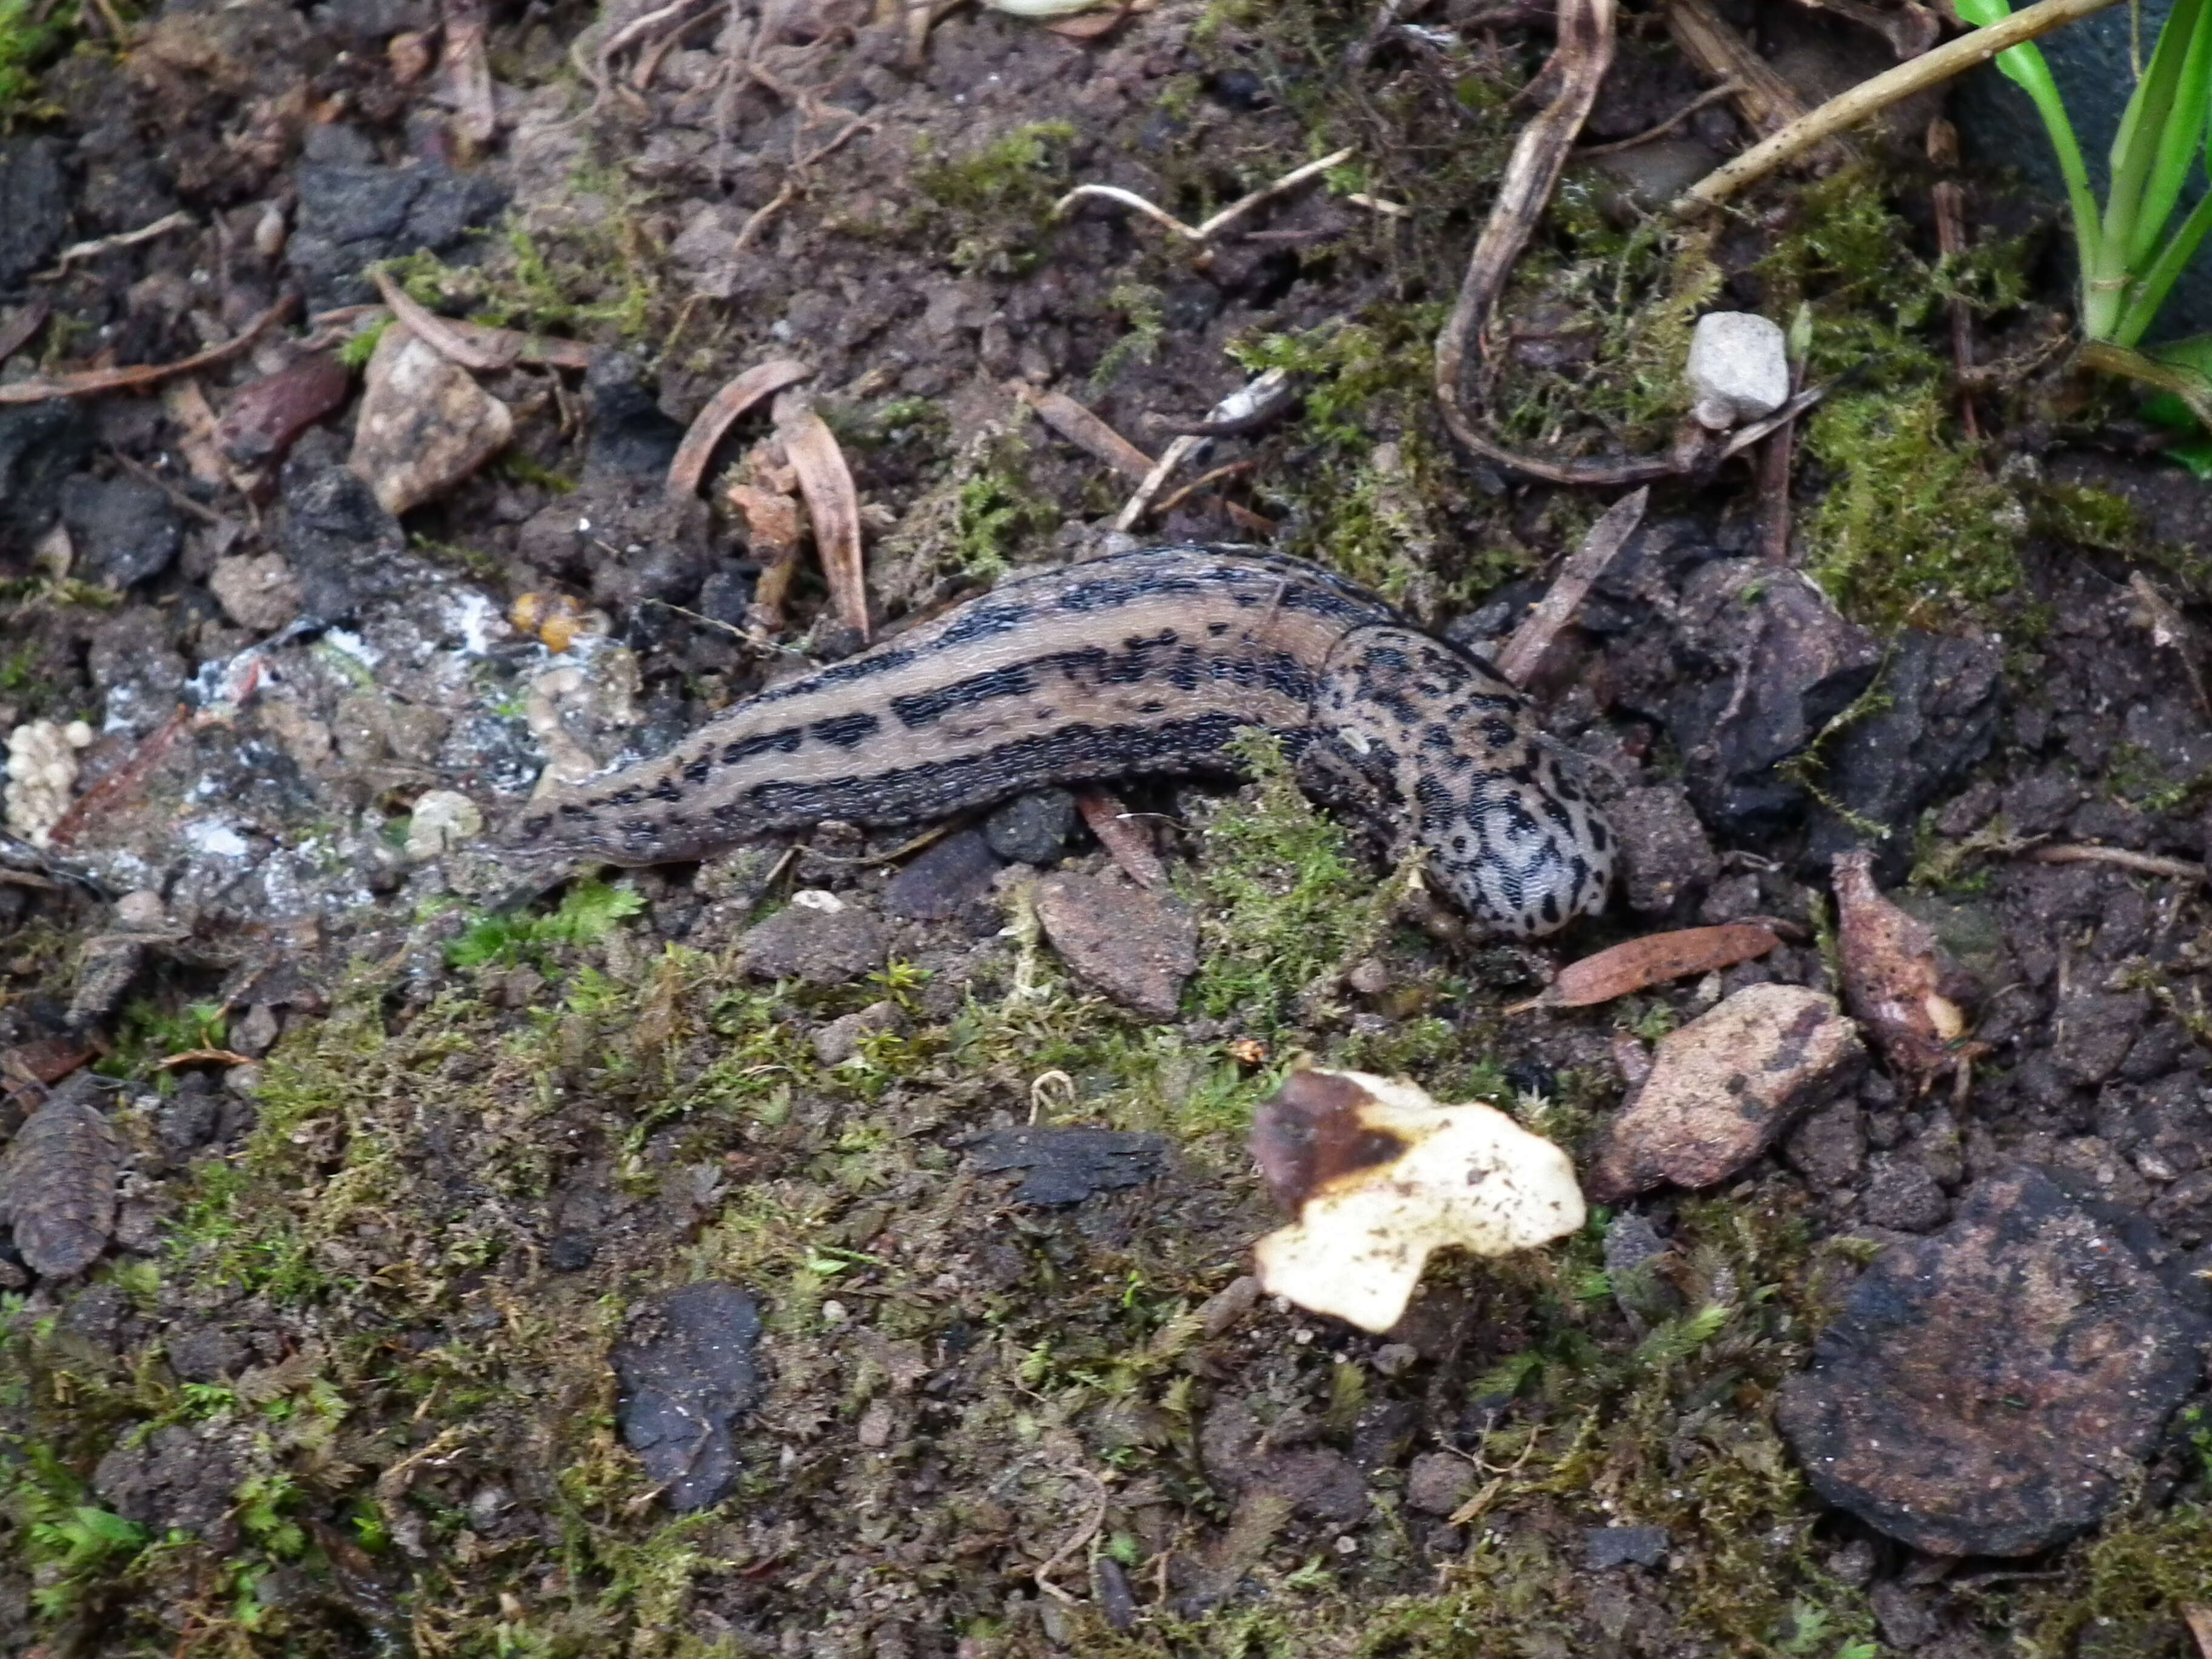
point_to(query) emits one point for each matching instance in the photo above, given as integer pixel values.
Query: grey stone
(1066, 1165)
(1664, 854)
(1902, 1196)
(1437, 1483)
(34, 205)
(1031, 829)
(819, 945)
(688, 1377)
(945, 879)
(1625, 1547)
(1739, 368)
(1771, 662)
(1990, 1390)
(41, 445)
(351, 215)
(124, 531)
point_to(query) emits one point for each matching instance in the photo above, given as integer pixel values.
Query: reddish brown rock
(1723, 1087)
(1137, 946)
(1992, 1390)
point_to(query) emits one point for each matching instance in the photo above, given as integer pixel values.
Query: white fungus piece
(1379, 1175)
(42, 776)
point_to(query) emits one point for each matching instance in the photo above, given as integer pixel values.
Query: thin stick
(1233, 470)
(1869, 98)
(1585, 52)
(94, 382)
(1582, 567)
(2143, 864)
(1158, 215)
(179, 219)
(1172, 457)
(1084, 429)
(1711, 95)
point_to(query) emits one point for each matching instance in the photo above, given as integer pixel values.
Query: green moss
(1141, 305)
(1283, 898)
(997, 514)
(31, 36)
(992, 203)
(1911, 532)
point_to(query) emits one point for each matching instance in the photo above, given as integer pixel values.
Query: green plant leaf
(2180, 134)
(2025, 66)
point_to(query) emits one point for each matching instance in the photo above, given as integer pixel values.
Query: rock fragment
(1723, 1087)
(1992, 1390)
(687, 1376)
(255, 590)
(1664, 854)
(945, 879)
(424, 424)
(1136, 945)
(1068, 1163)
(125, 530)
(819, 939)
(1739, 368)
(1031, 829)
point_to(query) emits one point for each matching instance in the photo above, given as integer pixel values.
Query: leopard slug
(1144, 663)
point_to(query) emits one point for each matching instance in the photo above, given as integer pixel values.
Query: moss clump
(1283, 896)
(1911, 531)
(992, 203)
(997, 514)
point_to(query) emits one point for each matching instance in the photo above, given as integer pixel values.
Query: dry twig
(1084, 429)
(2143, 864)
(1869, 98)
(1202, 233)
(179, 219)
(1583, 566)
(1129, 846)
(93, 382)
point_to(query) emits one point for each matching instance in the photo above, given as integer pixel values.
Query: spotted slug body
(1144, 664)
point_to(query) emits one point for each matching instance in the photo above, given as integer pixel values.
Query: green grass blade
(2179, 136)
(2148, 291)
(2024, 67)
(2135, 145)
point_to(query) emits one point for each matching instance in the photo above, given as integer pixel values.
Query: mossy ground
(427, 1452)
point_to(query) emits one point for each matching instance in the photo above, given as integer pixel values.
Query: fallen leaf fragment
(1722, 1088)
(1085, 430)
(2199, 1620)
(1898, 980)
(831, 502)
(265, 415)
(1637, 964)
(1380, 1176)
(95, 382)
(689, 469)
(1124, 842)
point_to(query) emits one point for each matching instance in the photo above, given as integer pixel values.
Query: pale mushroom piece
(1380, 1174)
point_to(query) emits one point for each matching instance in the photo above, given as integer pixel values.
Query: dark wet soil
(848, 1254)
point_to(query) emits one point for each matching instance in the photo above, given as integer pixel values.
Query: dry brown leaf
(1637, 964)
(689, 469)
(1127, 844)
(831, 502)
(265, 415)
(772, 528)
(1085, 430)
(1897, 981)
(2199, 1620)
